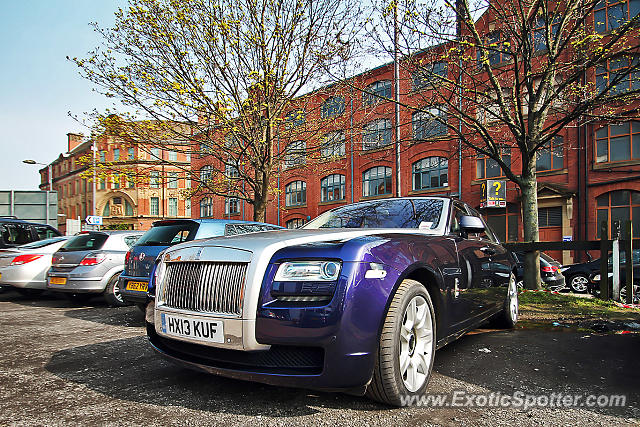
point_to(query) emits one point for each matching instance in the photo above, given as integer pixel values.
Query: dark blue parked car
(139, 260)
(357, 300)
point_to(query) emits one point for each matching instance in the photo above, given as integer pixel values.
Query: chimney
(74, 140)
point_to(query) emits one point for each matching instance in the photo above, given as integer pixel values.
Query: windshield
(85, 242)
(42, 243)
(396, 213)
(169, 234)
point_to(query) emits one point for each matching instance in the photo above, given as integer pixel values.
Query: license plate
(137, 286)
(190, 327)
(58, 280)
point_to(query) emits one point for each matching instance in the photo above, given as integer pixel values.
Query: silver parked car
(25, 267)
(90, 263)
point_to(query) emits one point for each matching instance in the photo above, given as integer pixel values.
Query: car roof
(111, 232)
(22, 221)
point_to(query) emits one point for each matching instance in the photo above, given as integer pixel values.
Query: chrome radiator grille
(211, 287)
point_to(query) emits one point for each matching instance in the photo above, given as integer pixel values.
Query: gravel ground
(62, 363)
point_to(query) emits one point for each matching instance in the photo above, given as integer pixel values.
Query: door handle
(487, 250)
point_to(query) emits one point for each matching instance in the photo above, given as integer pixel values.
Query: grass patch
(548, 306)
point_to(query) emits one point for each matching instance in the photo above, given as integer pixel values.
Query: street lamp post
(50, 186)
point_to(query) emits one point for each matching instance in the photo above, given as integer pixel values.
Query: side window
(487, 234)
(16, 234)
(44, 232)
(180, 237)
(457, 213)
(131, 240)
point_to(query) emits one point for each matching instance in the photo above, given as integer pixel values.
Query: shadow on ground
(535, 362)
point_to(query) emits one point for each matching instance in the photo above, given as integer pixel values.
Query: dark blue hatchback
(139, 262)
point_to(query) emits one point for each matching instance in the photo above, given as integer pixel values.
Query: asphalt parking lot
(61, 363)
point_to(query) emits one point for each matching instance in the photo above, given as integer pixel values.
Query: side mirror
(471, 224)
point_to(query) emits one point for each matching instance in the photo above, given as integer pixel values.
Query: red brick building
(589, 173)
(135, 184)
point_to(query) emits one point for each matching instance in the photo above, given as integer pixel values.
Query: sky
(39, 86)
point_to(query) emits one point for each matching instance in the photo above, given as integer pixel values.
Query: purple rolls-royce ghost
(358, 300)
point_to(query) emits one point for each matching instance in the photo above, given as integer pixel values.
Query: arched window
(550, 156)
(295, 193)
(295, 223)
(429, 123)
(619, 75)
(118, 206)
(376, 181)
(294, 118)
(376, 92)
(206, 207)
(429, 75)
(615, 143)
(295, 154)
(610, 15)
(332, 188)
(231, 206)
(332, 107)
(376, 134)
(619, 205)
(432, 172)
(332, 144)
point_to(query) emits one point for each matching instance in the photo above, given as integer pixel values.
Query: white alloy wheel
(416, 335)
(579, 283)
(513, 299)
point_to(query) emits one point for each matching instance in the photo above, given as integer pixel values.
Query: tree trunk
(261, 198)
(529, 187)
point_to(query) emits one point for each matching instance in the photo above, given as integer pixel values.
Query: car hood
(274, 240)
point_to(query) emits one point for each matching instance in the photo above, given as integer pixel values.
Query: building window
(173, 156)
(429, 123)
(205, 173)
(154, 206)
(540, 29)
(107, 209)
(550, 156)
(487, 167)
(187, 208)
(295, 193)
(231, 171)
(206, 207)
(616, 75)
(131, 154)
(504, 222)
(550, 217)
(620, 205)
(128, 209)
(332, 107)
(231, 206)
(172, 180)
(131, 180)
(376, 181)
(332, 188)
(432, 172)
(154, 179)
(496, 49)
(172, 206)
(294, 118)
(619, 142)
(116, 154)
(611, 14)
(295, 154)
(116, 181)
(376, 134)
(332, 144)
(429, 75)
(103, 185)
(103, 156)
(156, 153)
(295, 223)
(377, 92)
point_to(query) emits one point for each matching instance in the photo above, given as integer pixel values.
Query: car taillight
(93, 259)
(23, 259)
(127, 257)
(549, 269)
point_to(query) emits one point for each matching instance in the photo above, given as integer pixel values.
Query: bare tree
(509, 76)
(221, 73)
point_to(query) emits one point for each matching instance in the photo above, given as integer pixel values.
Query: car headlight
(158, 280)
(308, 271)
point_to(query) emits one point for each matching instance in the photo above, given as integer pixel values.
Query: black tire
(388, 384)
(578, 283)
(112, 293)
(78, 298)
(30, 293)
(508, 316)
(142, 307)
